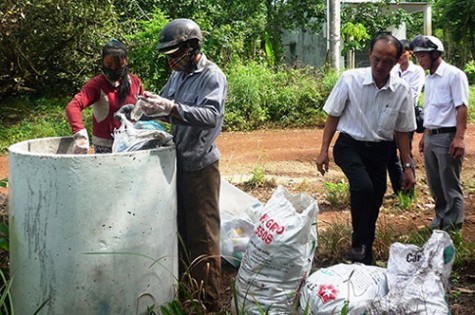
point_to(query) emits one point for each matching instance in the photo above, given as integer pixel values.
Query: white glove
(152, 105)
(81, 142)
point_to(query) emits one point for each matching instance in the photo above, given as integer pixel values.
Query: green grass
(338, 194)
(24, 118)
(471, 104)
(257, 99)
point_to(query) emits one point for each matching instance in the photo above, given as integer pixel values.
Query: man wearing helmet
(193, 102)
(445, 122)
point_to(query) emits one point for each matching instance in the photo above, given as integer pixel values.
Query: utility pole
(334, 33)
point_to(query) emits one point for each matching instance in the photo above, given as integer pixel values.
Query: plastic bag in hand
(152, 105)
(126, 110)
(128, 138)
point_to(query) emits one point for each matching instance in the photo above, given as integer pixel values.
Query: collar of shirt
(440, 69)
(200, 66)
(368, 80)
(411, 68)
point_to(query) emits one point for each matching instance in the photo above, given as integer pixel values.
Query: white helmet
(426, 43)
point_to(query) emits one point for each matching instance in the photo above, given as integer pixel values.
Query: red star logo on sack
(327, 293)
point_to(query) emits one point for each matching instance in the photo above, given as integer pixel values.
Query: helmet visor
(168, 50)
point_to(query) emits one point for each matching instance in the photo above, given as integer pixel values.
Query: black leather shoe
(357, 254)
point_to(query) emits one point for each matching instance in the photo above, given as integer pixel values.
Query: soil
(287, 157)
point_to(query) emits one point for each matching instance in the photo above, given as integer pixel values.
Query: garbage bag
(343, 286)
(129, 138)
(238, 211)
(278, 257)
(418, 277)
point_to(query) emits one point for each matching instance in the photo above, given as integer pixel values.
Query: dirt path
(286, 153)
(289, 155)
(293, 152)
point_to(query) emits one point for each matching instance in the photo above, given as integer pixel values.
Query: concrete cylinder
(91, 234)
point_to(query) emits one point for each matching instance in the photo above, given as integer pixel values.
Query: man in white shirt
(414, 75)
(445, 122)
(368, 107)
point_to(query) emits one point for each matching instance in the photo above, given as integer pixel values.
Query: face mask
(180, 62)
(114, 75)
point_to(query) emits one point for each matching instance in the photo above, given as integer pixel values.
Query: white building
(315, 49)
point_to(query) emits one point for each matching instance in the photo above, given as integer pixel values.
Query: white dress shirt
(368, 113)
(445, 90)
(415, 76)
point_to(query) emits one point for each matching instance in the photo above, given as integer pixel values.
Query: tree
(456, 19)
(51, 43)
(364, 21)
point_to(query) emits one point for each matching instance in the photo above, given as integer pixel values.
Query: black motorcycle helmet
(178, 32)
(426, 43)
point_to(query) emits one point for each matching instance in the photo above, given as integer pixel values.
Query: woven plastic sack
(352, 287)
(418, 277)
(278, 257)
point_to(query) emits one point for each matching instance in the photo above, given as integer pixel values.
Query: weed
(6, 305)
(333, 241)
(259, 179)
(4, 236)
(172, 308)
(338, 194)
(406, 200)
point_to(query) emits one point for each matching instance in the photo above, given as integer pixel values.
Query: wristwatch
(407, 165)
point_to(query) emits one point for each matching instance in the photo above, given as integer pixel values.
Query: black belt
(441, 130)
(369, 144)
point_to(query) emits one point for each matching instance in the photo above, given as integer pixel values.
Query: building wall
(305, 48)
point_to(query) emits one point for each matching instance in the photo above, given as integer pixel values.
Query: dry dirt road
(288, 156)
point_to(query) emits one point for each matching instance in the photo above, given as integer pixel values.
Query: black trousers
(364, 164)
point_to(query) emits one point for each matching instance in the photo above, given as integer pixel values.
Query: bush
(470, 71)
(259, 96)
(25, 118)
(52, 46)
(145, 62)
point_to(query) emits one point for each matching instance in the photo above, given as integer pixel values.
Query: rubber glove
(126, 110)
(153, 105)
(81, 142)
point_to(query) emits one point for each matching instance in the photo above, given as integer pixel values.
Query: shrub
(469, 70)
(338, 194)
(26, 118)
(146, 63)
(259, 96)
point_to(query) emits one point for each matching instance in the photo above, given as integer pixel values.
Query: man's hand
(421, 145)
(153, 105)
(457, 148)
(408, 180)
(323, 162)
(81, 142)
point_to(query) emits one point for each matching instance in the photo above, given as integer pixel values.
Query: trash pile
(142, 135)
(273, 245)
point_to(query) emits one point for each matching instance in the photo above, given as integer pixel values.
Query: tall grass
(259, 96)
(471, 104)
(25, 118)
